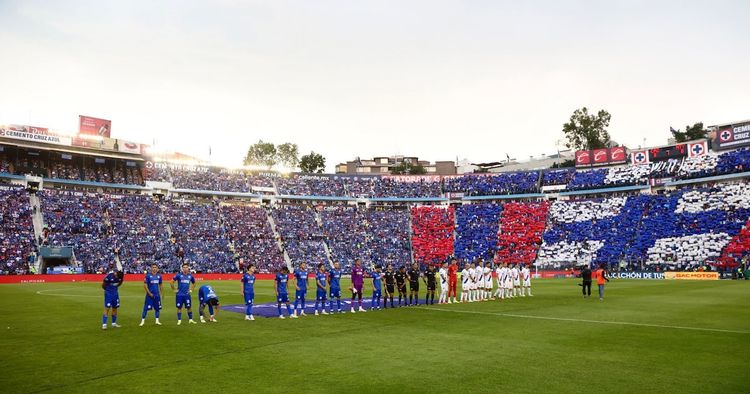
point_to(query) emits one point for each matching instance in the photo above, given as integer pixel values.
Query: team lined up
(477, 284)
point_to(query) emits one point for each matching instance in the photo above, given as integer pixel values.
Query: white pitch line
(619, 323)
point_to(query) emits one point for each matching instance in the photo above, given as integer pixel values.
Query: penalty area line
(618, 323)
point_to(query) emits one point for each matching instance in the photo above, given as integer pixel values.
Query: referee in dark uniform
(431, 281)
(414, 274)
(401, 283)
(390, 285)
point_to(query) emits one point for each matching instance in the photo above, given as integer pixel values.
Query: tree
(400, 169)
(693, 132)
(261, 154)
(587, 131)
(404, 168)
(287, 154)
(312, 163)
(417, 170)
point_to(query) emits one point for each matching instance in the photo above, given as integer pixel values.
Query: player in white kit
(508, 284)
(472, 282)
(465, 279)
(525, 281)
(479, 280)
(499, 278)
(516, 280)
(487, 281)
(443, 277)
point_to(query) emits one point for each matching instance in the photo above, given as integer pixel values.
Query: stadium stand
(495, 184)
(77, 219)
(477, 227)
(345, 233)
(138, 230)
(301, 234)
(199, 237)
(388, 236)
(521, 228)
(558, 177)
(432, 233)
(16, 231)
(251, 237)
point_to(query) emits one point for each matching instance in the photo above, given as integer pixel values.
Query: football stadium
(190, 248)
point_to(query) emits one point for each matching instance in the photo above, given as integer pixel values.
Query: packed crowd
(494, 184)
(138, 229)
(388, 231)
(301, 233)
(345, 232)
(477, 227)
(198, 236)
(251, 237)
(432, 233)
(79, 220)
(16, 232)
(521, 228)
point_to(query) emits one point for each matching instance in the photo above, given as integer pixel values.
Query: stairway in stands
(277, 236)
(319, 220)
(37, 220)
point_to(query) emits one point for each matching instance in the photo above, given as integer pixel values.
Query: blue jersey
(377, 280)
(183, 283)
(206, 292)
(301, 277)
(281, 280)
(321, 277)
(335, 279)
(111, 284)
(153, 282)
(248, 282)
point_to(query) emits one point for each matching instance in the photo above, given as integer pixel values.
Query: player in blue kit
(248, 291)
(152, 283)
(300, 283)
(111, 285)
(377, 287)
(282, 295)
(185, 285)
(334, 278)
(207, 296)
(321, 277)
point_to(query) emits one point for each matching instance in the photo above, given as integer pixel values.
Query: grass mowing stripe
(621, 323)
(201, 358)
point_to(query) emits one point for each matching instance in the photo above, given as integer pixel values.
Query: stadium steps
(329, 255)
(37, 219)
(277, 236)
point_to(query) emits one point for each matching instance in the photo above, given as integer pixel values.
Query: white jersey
(479, 277)
(488, 277)
(472, 276)
(465, 279)
(443, 273)
(499, 274)
(526, 276)
(516, 277)
(507, 279)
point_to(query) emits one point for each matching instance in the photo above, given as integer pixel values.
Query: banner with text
(692, 275)
(637, 275)
(94, 126)
(733, 136)
(33, 134)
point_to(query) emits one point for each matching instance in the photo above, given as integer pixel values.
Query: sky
(436, 79)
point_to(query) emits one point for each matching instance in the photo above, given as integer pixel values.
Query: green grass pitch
(646, 336)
